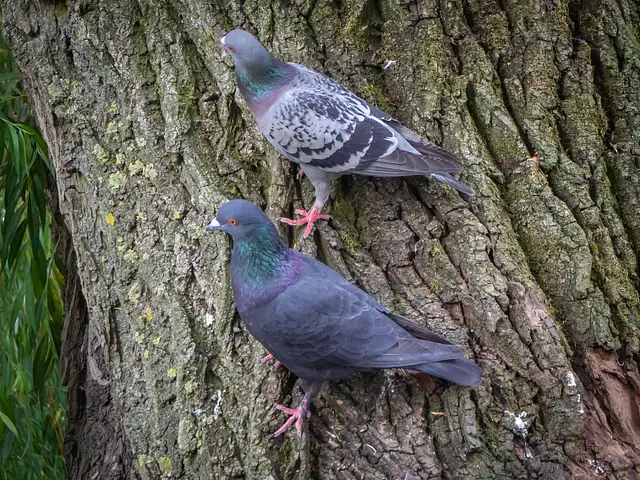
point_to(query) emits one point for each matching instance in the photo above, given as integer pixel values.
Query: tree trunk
(537, 277)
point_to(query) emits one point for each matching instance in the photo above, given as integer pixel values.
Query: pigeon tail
(449, 180)
(460, 371)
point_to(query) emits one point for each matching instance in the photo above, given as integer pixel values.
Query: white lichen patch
(571, 379)
(131, 256)
(136, 167)
(521, 423)
(198, 412)
(100, 153)
(150, 172)
(389, 64)
(120, 243)
(209, 319)
(217, 410)
(596, 467)
(190, 387)
(111, 128)
(134, 294)
(120, 158)
(117, 180)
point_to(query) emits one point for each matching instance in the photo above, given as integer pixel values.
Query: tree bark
(537, 277)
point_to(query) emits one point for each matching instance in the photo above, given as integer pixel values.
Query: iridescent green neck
(260, 258)
(257, 83)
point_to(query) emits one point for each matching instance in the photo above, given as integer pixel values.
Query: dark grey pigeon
(314, 121)
(320, 326)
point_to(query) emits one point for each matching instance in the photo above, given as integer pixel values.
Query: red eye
(232, 221)
(231, 49)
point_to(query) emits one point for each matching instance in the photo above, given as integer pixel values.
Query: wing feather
(319, 122)
(320, 325)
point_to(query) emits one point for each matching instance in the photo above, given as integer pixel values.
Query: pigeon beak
(214, 225)
(223, 49)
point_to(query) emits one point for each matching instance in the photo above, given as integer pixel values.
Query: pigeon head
(260, 260)
(245, 50)
(258, 73)
(243, 220)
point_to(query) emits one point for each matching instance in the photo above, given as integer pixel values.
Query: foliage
(32, 397)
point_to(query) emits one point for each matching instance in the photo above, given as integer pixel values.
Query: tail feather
(403, 163)
(460, 371)
(458, 185)
(434, 158)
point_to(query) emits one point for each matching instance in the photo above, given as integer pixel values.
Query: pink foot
(270, 357)
(300, 174)
(308, 219)
(297, 416)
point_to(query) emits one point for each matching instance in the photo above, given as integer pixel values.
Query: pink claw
(270, 357)
(296, 416)
(308, 218)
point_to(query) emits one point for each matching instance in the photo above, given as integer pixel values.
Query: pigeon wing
(331, 131)
(319, 122)
(323, 326)
(327, 274)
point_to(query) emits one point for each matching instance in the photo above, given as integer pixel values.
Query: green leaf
(16, 242)
(12, 231)
(25, 128)
(7, 421)
(32, 396)
(41, 363)
(8, 77)
(14, 150)
(5, 451)
(37, 190)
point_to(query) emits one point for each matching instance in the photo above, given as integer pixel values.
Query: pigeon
(317, 123)
(316, 323)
